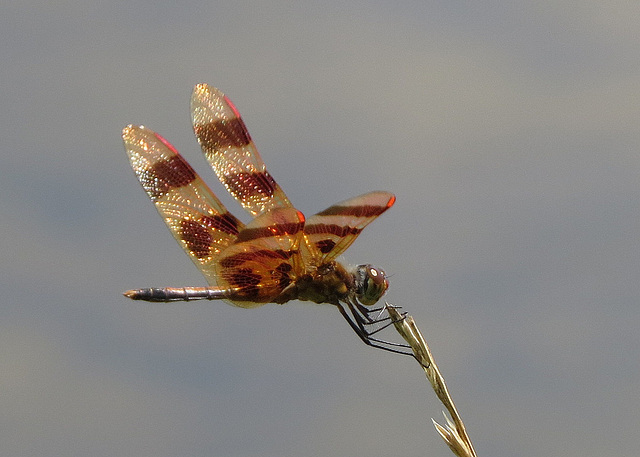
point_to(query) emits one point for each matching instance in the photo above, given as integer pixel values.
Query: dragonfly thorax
(327, 283)
(332, 283)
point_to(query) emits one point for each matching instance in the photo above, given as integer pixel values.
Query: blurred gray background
(507, 130)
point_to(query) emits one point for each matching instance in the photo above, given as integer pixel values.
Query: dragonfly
(279, 255)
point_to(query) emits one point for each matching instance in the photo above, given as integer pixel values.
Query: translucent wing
(226, 144)
(265, 258)
(330, 232)
(196, 218)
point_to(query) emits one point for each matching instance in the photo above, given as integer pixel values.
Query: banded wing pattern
(264, 260)
(330, 232)
(229, 149)
(196, 218)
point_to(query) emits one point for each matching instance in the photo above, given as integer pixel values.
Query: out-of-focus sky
(510, 133)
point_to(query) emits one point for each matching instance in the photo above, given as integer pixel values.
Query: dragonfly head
(371, 284)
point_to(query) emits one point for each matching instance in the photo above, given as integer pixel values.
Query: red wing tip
(391, 201)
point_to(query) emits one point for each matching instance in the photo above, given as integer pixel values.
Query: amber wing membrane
(330, 232)
(228, 147)
(265, 258)
(195, 217)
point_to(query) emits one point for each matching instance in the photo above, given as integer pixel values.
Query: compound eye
(374, 285)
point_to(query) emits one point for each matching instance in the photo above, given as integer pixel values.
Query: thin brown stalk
(453, 433)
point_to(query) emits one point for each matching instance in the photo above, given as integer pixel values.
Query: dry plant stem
(454, 434)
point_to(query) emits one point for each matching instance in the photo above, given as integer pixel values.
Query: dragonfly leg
(358, 322)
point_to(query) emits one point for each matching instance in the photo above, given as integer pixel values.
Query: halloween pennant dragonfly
(279, 256)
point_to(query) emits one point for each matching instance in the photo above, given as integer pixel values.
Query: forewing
(330, 232)
(228, 147)
(265, 258)
(196, 218)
